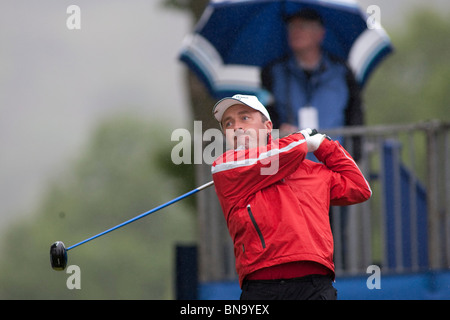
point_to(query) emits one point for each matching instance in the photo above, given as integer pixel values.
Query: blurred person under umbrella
(311, 88)
(234, 40)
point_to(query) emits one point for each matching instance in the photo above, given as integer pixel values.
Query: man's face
(305, 34)
(244, 127)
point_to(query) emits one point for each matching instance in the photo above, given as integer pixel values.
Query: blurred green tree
(123, 171)
(412, 84)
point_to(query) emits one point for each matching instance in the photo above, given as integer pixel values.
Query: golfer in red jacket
(276, 203)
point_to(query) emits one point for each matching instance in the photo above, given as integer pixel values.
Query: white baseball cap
(250, 101)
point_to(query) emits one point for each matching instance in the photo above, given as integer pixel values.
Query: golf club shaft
(206, 185)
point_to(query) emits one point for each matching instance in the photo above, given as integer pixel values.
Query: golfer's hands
(313, 139)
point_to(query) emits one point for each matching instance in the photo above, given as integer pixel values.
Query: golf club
(58, 252)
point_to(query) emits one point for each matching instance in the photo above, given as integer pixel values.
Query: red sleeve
(348, 185)
(239, 173)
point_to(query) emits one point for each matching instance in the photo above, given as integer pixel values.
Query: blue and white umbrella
(234, 39)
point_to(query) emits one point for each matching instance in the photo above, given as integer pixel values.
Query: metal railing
(404, 227)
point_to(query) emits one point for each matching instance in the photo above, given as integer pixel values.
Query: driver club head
(58, 256)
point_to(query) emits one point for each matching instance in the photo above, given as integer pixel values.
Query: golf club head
(58, 256)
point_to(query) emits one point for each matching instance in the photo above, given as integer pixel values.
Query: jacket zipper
(261, 238)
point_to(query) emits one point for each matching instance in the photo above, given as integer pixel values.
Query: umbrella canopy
(234, 39)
